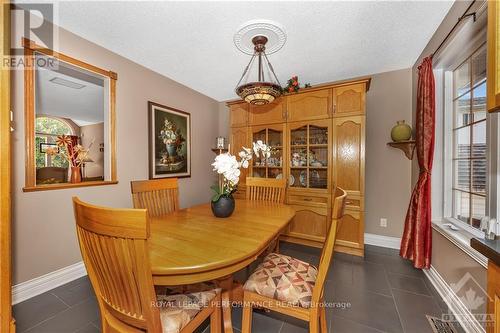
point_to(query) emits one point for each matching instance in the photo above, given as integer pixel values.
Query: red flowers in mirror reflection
(70, 150)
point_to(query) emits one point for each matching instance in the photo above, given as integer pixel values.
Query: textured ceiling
(192, 42)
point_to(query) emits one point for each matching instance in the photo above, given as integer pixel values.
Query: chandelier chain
(246, 70)
(259, 92)
(272, 69)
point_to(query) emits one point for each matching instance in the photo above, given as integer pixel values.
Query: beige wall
(43, 224)
(388, 171)
(457, 268)
(93, 134)
(223, 120)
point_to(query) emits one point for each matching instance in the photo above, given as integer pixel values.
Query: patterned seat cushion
(285, 279)
(180, 304)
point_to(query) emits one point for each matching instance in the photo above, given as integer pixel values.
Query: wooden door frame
(6, 320)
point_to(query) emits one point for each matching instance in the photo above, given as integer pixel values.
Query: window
(46, 131)
(469, 160)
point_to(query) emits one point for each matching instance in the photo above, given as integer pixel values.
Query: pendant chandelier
(259, 92)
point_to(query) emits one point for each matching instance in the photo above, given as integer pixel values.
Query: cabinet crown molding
(321, 86)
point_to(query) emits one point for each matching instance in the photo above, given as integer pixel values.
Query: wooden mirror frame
(30, 48)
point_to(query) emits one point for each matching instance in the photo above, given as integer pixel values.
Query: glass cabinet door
(318, 156)
(271, 167)
(275, 162)
(258, 164)
(298, 157)
(309, 156)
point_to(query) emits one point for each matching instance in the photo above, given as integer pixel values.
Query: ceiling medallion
(259, 92)
(273, 31)
(259, 38)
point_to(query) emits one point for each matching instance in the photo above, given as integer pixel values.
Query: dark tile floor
(378, 293)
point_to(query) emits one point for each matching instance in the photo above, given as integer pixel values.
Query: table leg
(226, 285)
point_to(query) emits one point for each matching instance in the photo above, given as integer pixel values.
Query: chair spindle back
(113, 243)
(266, 189)
(158, 196)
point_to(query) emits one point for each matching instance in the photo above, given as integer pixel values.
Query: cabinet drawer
(308, 200)
(316, 210)
(354, 203)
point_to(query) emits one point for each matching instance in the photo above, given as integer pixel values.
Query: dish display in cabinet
(309, 155)
(273, 136)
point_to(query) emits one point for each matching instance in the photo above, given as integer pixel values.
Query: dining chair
(267, 189)
(291, 286)
(113, 243)
(158, 196)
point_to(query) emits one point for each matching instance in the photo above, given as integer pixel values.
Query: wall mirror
(69, 121)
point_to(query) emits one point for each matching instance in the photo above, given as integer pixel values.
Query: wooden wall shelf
(408, 147)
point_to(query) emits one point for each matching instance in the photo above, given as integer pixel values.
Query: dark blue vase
(223, 207)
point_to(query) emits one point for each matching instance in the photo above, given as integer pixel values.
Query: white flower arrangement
(169, 133)
(228, 168)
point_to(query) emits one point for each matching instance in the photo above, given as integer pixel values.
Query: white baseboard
(383, 241)
(41, 284)
(468, 322)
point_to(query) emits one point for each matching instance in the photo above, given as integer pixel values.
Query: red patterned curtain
(416, 244)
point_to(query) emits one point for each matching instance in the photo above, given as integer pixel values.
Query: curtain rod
(464, 15)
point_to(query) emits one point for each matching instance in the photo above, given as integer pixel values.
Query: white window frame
(447, 132)
(449, 148)
(442, 179)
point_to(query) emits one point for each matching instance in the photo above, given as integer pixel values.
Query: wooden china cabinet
(318, 141)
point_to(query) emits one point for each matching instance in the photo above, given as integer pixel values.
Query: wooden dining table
(192, 245)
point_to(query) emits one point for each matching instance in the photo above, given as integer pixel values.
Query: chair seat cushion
(180, 304)
(285, 279)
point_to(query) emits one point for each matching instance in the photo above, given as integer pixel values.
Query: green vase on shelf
(401, 132)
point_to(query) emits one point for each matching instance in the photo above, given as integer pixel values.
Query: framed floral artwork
(169, 142)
